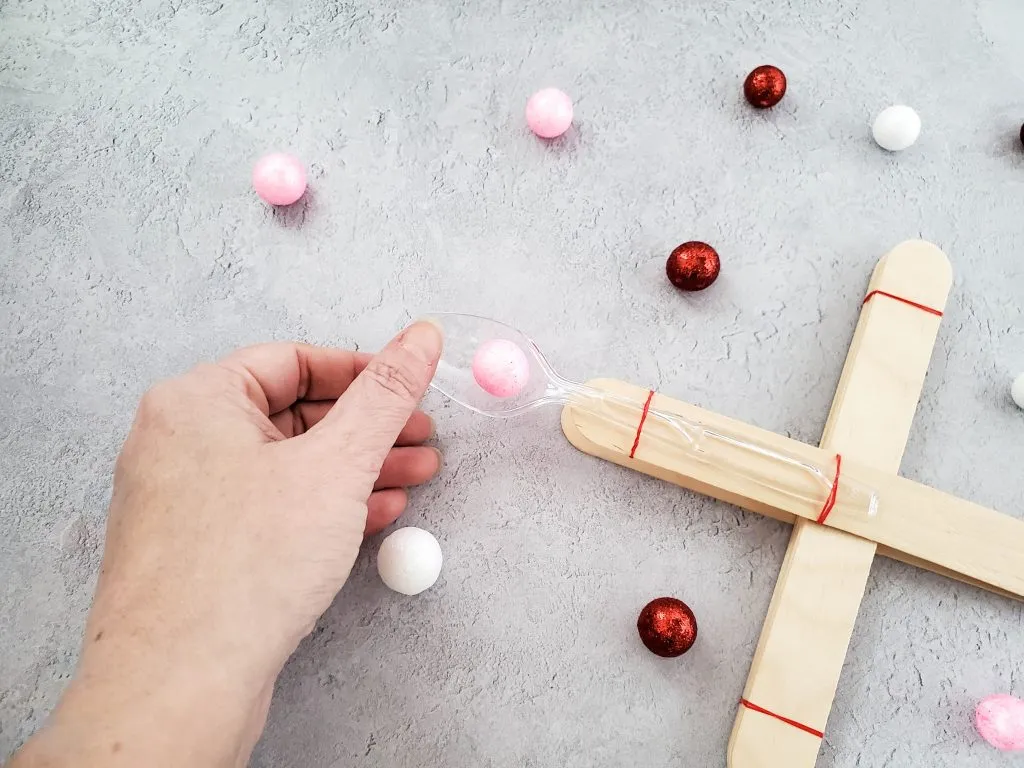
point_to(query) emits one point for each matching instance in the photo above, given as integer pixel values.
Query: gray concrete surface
(132, 247)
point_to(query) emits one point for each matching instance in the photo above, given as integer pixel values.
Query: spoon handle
(637, 422)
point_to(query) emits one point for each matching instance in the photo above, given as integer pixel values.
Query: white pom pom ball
(409, 560)
(1017, 391)
(896, 128)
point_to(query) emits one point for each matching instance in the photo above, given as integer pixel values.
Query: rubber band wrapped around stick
(729, 453)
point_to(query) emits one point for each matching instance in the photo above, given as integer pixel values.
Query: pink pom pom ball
(1000, 721)
(549, 113)
(279, 179)
(500, 368)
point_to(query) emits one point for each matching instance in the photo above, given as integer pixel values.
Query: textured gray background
(132, 247)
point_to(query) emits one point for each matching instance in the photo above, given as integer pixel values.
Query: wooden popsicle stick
(926, 524)
(799, 658)
(938, 569)
(946, 531)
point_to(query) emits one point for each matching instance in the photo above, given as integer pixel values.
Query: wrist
(128, 705)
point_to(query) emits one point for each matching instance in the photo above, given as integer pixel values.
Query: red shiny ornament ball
(693, 266)
(667, 626)
(765, 86)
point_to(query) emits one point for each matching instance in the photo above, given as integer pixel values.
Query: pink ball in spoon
(279, 179)
(1000, 721)
(549, 113)
(500, 368)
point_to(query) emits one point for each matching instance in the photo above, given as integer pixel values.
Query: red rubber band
(905, 301)
(830, 502)
(786, 720)
(640, 426)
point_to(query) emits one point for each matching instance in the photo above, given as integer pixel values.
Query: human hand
(240, 501)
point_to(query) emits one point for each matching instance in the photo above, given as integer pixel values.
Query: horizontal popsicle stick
(926, 525)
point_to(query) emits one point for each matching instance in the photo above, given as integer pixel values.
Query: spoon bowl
(463, 337)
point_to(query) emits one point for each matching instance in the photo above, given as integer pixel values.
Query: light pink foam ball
(279, 179)
(1000, 721)
(500, 368)
(549, 113)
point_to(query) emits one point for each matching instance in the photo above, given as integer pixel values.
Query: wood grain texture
(799, 658)
(936, 529)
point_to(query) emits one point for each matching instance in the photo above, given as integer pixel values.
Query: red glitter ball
(693, 266)
(667, 627)
(765, 86)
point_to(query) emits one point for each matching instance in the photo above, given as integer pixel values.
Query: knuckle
(157, 399)
(156, 413)
(230, 381)
(394, 378)
(219, 376)
(165, 403)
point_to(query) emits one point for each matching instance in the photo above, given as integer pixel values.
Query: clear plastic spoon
(463, 336)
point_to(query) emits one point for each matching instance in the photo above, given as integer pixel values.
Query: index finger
(279, 374)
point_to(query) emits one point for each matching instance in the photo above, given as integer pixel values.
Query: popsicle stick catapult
(795, 671)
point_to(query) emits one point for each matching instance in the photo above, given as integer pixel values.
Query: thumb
(366, 420)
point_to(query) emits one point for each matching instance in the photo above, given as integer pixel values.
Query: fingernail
(440, 459)
(434, 322)
(424, 340)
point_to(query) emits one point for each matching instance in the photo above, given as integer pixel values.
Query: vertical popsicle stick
(799, 658)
